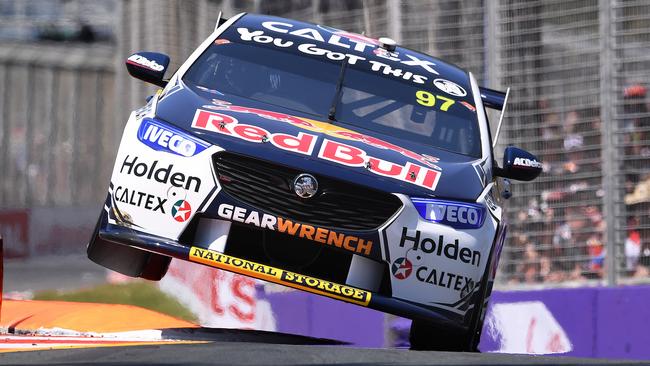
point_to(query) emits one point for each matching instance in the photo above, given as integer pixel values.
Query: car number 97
(429, 100)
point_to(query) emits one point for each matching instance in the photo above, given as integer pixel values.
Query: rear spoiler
(495, 99)
(220, 21)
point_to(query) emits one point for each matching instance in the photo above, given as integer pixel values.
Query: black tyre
(127, 260)
(156, 267)
(425, 336)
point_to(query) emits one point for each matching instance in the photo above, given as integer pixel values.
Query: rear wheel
(127, 260)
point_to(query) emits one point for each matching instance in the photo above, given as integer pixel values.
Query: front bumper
(373, 300)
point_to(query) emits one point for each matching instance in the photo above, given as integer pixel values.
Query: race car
(322, 160)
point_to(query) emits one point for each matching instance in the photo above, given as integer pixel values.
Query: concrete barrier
(47, 230)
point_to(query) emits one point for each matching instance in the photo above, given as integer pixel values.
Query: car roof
(336, 40)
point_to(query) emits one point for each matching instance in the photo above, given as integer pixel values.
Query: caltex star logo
(181, 211)
(401, 268)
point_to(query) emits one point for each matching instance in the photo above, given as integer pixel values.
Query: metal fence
(57, 135)
(578, 70)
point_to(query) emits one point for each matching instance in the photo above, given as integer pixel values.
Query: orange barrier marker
(84, 317)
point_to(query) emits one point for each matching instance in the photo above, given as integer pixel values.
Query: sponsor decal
(468, 106)
(448, 280)
(354, 41)
(161, 137)
(397, 72)
(221, 41)
(318, 234)
(441, 248)
(384, 53)
(303, 143)
(401, 268)
(208, 90)
(325, 128)
(140, 199)
(307, 48)
(527, 163)
(427, 99)
(353, 36)
(312, 49)
(227, 125)
(164, 175)
(489, 201)
(450, 87)
(355, 157)
(341, 39)
(455, 214)
(220, 102)
(145, 62)
(280, 276)
(357, 42)
(316, 284)
(181, 211)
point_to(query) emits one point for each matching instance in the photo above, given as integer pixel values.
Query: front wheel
(425, 336)
(127, 260)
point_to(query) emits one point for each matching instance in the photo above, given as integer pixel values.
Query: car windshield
(366, 99)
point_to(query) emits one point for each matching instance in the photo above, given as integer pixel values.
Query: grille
(337, 204)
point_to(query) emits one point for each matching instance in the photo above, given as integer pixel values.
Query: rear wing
(220, 21)
(495, 99)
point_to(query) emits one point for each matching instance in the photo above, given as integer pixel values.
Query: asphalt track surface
(231, 347)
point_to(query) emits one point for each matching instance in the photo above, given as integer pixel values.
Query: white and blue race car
(322, 160)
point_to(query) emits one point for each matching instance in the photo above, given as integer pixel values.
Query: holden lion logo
(181, 211)
(305, 186)
(401, 268)
(450, 87)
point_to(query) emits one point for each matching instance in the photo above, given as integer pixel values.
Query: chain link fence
(578, 70)
(629, 78)
(550, 55)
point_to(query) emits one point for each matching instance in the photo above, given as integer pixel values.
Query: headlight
(459, 215)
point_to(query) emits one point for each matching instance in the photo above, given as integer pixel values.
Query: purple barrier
(298, 312)
(584, 322)
(623, 319)
(598, 322)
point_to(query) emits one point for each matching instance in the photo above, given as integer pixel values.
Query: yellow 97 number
(429, 100)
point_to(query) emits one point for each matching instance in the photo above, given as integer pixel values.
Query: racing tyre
(425, 336)
(127, 260)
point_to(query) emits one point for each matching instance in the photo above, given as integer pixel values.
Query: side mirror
(149, 67)
(519, 164)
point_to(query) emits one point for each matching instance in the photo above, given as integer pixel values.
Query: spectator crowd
(558, 233)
